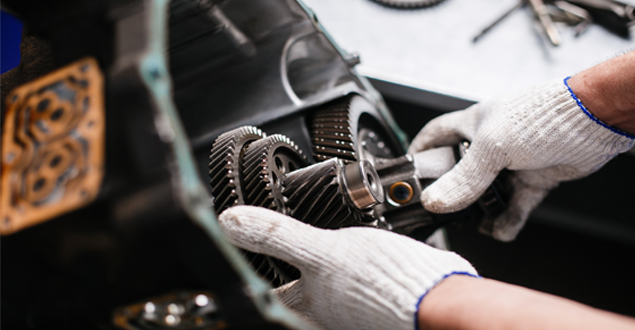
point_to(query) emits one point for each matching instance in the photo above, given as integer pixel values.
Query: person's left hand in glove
(368, 278)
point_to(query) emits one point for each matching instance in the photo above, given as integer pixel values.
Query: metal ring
(401, 192)
(362, 184)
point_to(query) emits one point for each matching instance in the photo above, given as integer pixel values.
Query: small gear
(265, 164)
(408, 4)
(225, 165)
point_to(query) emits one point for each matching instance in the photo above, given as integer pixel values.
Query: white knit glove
(545, 135)
(352, 278)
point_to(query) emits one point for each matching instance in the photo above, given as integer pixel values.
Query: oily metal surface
(225, 166)
(347, 129)
(315, 196)
(228, 189)
(264, 165)
(332, 132)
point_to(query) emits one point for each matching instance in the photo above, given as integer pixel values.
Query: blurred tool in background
(408, 4)
(615, 16)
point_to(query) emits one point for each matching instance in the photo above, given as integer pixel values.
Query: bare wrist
(466, 303)
(607, 90)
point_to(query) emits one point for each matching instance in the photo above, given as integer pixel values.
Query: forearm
(607, 90)
(462, 302)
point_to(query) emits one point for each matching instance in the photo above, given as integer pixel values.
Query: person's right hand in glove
(557, 131)
(372, 279)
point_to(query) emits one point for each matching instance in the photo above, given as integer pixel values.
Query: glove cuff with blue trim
(567, 142)
(545, 135)
(352, 278)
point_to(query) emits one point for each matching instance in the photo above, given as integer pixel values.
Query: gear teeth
(332, 132)
(236, 174)
(224, 165)
(262, 175)
(314, 196)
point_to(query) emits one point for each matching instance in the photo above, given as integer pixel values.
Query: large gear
(248, 168)
(265, 163)
(228, 189)
(408, 4)
(345, 129)
(332, 132)
(225, 165)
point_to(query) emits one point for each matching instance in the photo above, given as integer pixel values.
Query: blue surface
(10, 36)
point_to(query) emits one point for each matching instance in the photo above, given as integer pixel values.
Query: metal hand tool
(542, 13)
(615, 16)
(571, 14)
(500, 19)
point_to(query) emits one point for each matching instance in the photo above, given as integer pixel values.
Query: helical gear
(315, 196)
(227, 187)
(225, 165)
(248, 168)
(265, 163)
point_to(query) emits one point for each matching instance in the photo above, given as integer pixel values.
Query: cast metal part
(338, 131)
(225, 165)
(52, 146)
(265, 163)
(408, 4)
(317, 195)
(192, 310)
